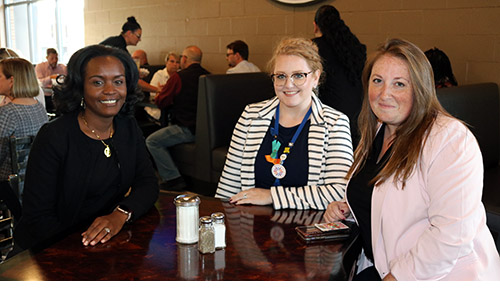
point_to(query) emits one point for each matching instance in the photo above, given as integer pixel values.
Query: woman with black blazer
(90, 166)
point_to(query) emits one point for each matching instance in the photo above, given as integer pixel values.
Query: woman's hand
(335, 211)
(252, 196)
(104, 228)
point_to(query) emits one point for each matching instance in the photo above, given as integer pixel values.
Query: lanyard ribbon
(273, 158)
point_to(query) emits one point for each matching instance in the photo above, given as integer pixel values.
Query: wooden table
(261, 245)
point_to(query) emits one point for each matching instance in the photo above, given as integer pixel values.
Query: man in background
(180, 96)
(237, 58)
(160, 78)
(141, 56)
(48, 71)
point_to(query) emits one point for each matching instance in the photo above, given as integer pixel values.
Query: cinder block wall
(468, 31)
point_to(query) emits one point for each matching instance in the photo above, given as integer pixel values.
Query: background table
(261, 245)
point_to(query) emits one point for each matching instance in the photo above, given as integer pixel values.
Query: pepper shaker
(187, 213)
(206, 243)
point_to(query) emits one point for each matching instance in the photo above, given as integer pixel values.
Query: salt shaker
(220, 230)
(206, 243)
(187, 213)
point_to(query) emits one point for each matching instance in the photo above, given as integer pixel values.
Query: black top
(105, 182)
(64, 179)
(359, 191)
(337, 90)
(115, 41)
(296, 164)
(186, 102)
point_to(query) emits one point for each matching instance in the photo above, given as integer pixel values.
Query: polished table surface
(261, 245)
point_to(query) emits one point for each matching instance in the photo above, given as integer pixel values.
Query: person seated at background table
(91, 165)
(441, 66)
(141, 56)
(291, 151)
(172, 64)
(23, 115)
(179, 97)
(20, 115)
(160, 78)
(48, 70)
(146, 70)
(237, 58)
(9, 53)
(416, 182)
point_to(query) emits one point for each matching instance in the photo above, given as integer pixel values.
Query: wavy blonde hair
(412, 134)
(300, 47)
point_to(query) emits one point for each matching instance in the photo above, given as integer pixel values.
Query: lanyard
(278, 170)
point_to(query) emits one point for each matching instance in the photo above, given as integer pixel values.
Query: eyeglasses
(227, 54)
(137, 35)
(297, 79)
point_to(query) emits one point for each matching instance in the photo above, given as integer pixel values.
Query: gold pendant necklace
(107, 150)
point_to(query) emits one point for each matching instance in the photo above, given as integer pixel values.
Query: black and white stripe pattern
(330, 156)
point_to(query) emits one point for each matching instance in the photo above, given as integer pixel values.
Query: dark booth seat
(221, 100)
(478, 105)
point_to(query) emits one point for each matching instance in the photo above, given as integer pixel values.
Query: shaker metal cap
(217, 216)
(187, 200)
(206, 220)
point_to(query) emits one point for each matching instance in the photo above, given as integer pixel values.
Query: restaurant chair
(478, 105)
(6, 231)
(221, 100)
(19, 151)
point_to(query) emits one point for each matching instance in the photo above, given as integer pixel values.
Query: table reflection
(323, 260)
(262, 244)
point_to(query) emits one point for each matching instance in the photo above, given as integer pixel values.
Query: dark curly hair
(346, 46)
(68, 96)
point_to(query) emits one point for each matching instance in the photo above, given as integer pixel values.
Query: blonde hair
(412, 134)
(25, 82)
(171, 53)
(300, 47)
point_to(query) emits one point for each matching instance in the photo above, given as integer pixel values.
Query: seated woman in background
(89, 166)
(416, 182)
(291, 151)
(22, 115)
(441, 66)
(8, 53)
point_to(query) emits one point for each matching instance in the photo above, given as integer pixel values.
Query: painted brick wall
(468, 31)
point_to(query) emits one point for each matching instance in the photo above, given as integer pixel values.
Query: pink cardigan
(435, 229)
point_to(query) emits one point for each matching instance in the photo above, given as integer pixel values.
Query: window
(32, 26)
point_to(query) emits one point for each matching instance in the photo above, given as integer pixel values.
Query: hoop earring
(82, 104)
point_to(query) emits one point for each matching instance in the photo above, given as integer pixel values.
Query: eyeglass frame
(289, 77)
(137, 35)
(227, 54)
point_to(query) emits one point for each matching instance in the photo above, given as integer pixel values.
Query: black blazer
(58, 174)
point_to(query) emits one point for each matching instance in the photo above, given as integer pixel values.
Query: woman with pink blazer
(416, 182)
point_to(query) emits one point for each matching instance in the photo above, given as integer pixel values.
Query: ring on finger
(107, 230)
(245, 196)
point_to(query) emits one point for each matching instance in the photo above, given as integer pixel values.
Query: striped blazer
(330, 156)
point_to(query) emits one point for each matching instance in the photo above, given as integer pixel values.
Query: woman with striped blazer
(290, 151)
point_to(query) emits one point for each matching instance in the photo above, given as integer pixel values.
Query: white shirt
(243, 67)
(159, 79)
